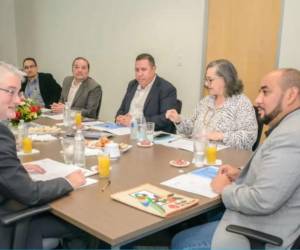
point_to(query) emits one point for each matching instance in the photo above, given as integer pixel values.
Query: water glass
(141, 131)
(150, 131)
(199, 152)
(68, 149)
(103, 164)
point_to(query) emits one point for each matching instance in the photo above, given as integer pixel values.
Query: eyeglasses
(13, 92)
(29, 66)
(208, 81)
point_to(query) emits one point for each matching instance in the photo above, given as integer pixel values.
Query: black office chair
(260, 126)
(258, 239)
(21, 220)
(178, 106)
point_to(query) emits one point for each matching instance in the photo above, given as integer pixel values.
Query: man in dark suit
(16, 186)
(80, 91)
(41, 87)
(149, 95)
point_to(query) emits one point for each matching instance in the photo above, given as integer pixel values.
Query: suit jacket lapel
(131, 94)
(79, 91)
(152, 92)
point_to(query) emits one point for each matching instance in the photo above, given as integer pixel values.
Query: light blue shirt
(33, 92)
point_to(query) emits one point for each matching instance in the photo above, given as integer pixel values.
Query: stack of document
(197, 181)
(55, 169)
(111, 128)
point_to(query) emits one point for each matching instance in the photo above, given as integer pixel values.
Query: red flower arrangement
(28, 111)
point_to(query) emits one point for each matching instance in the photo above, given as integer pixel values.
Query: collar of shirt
(148, 86)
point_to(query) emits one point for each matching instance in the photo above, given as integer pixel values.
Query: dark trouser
(44, 226)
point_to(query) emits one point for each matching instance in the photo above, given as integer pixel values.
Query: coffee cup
(113, 150)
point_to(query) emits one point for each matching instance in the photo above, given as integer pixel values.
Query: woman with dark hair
(226, 114)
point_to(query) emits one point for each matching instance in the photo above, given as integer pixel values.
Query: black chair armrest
(255, 235)
(22, 214)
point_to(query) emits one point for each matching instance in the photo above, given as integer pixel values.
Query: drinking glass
(199, 151)
(211, 153)
(27, 144)
(150, 131)
(78, 119)
(141, 131)
(103, 164)
(68, 149)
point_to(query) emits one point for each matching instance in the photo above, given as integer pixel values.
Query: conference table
(113, 222)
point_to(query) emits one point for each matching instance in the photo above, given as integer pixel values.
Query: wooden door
(246, 33)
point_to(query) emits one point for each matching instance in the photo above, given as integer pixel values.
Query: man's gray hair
(8, 68)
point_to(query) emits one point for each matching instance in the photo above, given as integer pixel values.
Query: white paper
(55, 169)
(186, 144)
(92, 123)
(113, 130)
(181, 143)
(193, 183)
(54, 117)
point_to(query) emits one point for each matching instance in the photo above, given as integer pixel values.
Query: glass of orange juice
(78, 119)
(103, 165)
(211, 153)
(27, 144)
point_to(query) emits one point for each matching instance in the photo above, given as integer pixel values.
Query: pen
(105, 185)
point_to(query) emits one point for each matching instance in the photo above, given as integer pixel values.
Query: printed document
(197, 181)
(112, 128)
(55, 169)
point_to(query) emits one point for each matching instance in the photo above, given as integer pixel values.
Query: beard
(267, 118)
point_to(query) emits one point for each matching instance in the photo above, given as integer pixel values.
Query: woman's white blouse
(235, 119)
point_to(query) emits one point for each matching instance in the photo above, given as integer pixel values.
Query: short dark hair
(29, 59)
(81, 58)
(147, 57)
(226, 70)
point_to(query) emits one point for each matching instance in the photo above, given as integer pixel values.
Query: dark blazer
(87, 99)
(161, 97)
(50, 89)
(17, 186)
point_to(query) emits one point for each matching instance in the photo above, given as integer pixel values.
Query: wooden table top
(115, 223)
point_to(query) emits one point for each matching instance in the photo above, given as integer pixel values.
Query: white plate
(175, 164)
(125, 149)
(145, 146)
(91, 145)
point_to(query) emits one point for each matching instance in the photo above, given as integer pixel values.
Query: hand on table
(231, 172)
(124, 120)
(57, 107)
(76, 179)
(215, 136)
(220, 182)
(34, 168)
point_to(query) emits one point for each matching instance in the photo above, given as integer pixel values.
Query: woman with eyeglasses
(226, 114)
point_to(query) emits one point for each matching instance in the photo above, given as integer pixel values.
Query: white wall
(110, 33)
(8, 45)
(289, 55)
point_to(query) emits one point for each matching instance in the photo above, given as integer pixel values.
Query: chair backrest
(178, 106)
(98, 108)
(260, 126)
